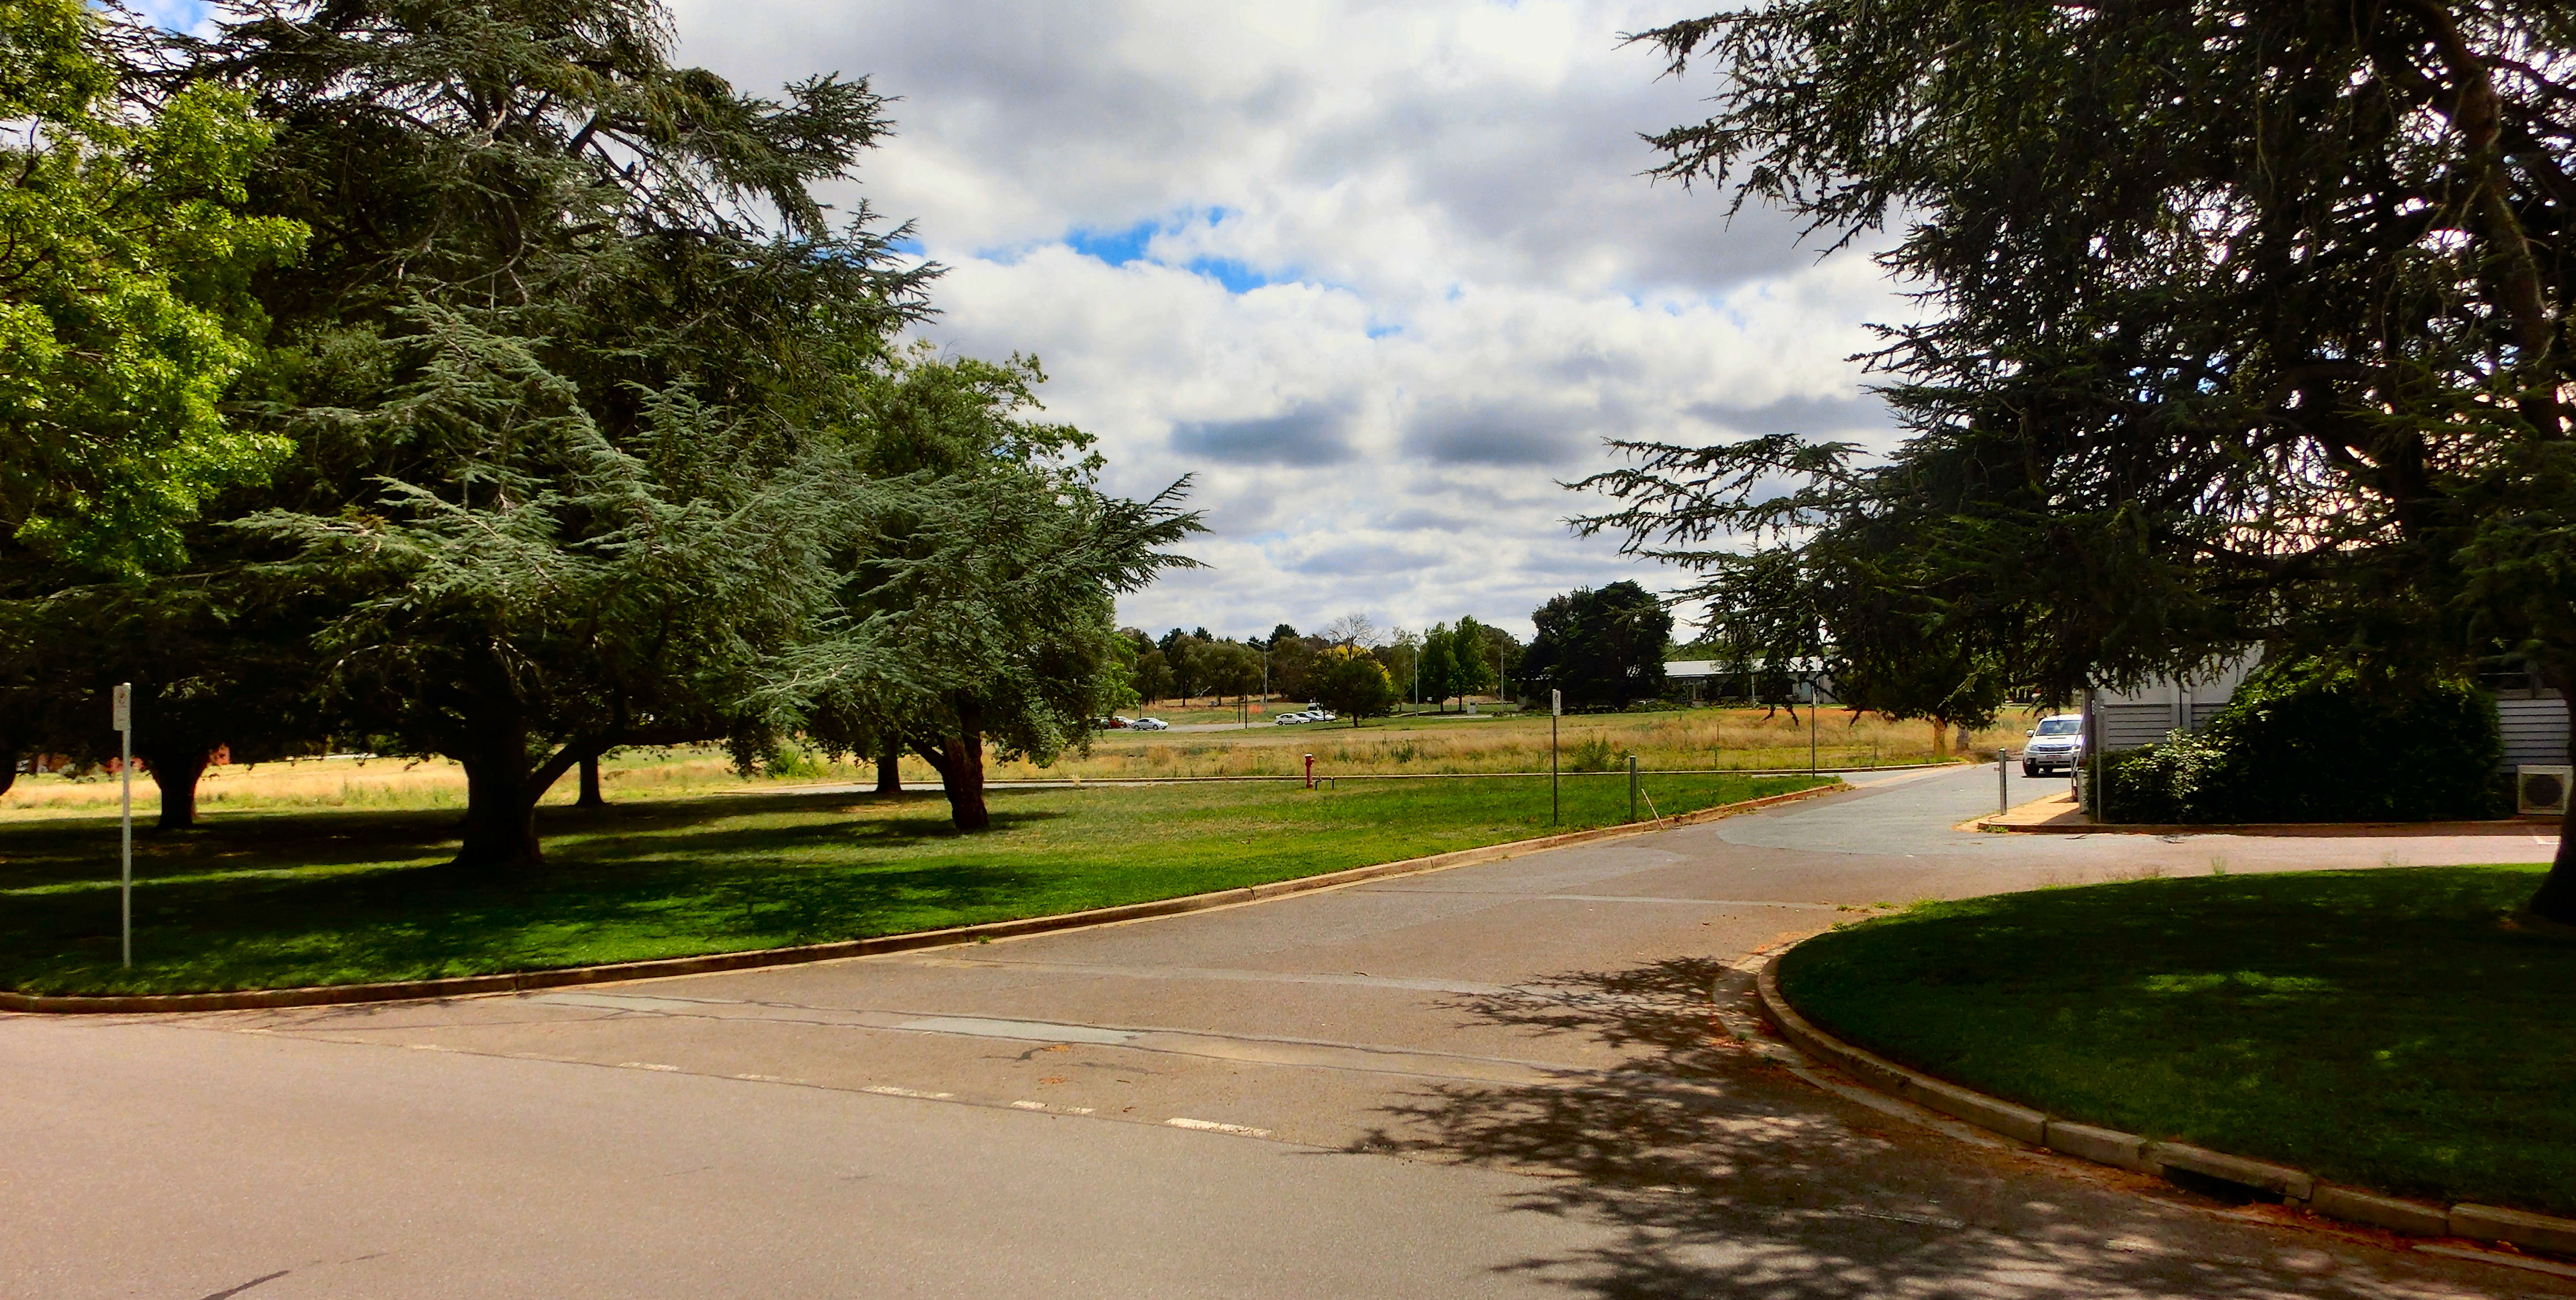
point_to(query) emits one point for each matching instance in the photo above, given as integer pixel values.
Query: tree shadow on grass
(1719, 1173)
(428, 923)
(41, 854)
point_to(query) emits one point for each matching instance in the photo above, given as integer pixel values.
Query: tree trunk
(1940, 741)
(590, 795)
(960, 761)
(8, 769)
(2556, 900)
(176, 771)
(889, 766)
(500, 798)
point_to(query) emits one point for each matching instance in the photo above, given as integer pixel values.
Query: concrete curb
(521, 981)
(2502, 826)
(2194, 1165)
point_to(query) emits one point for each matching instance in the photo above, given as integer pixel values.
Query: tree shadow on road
(1722, 1173)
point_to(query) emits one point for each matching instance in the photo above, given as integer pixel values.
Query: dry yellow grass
(1728, 739)
(1692, 739)
(341, 782)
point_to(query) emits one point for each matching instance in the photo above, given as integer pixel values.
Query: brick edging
(2130, 1151)
(558, 977)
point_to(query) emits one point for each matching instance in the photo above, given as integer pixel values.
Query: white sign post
(124, 717)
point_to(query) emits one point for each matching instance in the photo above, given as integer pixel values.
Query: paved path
(1493, 1081)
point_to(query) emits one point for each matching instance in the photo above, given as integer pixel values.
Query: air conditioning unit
(2543, 789)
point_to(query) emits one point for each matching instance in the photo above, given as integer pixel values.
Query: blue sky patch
(1116, 247)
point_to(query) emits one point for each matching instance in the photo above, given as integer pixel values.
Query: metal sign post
(2003, 783)
(1813, 697)
(123, 713)
(1555, 710)
(1632, 787)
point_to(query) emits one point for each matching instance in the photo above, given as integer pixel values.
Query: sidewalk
(2058, 815)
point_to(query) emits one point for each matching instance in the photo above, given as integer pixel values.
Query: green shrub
(794, 763)
(1591, 754)
(2158, 783)
(2309, 741)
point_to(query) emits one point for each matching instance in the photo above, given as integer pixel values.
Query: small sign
(1555, 703)
(124, 698)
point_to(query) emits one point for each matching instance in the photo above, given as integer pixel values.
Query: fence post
(1632, 787)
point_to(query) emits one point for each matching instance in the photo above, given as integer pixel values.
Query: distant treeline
(1448, 662)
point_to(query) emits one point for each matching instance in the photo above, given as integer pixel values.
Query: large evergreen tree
(2244, 323)
(560, 368)
(976, 604)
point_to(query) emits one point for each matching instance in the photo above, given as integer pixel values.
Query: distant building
(1708, 681)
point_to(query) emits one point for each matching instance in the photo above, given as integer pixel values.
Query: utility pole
(122, 713)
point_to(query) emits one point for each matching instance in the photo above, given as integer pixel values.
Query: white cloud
(1378, 275)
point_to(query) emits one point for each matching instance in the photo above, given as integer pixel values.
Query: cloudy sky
(1378, 276)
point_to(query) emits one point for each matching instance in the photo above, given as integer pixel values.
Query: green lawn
(2379, 1028)
(254, 901)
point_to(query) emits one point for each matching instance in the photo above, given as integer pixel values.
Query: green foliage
(1228, 667)
(2313, 741)
(1457, 661)
(1593, 753)
(1352, 683)
(125, 258)
(978, 602)
(566, 367)
(1603, 647)
(2216, 285)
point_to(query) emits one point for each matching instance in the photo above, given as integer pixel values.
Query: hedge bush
(2310, 741)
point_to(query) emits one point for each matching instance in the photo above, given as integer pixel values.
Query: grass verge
(2379, 1028)
(280, 900)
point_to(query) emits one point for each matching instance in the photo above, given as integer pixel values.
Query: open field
(1711, 739)
(1706, 739)
(2381, 1028)
(349, 896)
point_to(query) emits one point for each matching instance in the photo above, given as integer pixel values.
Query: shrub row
(2309, 741)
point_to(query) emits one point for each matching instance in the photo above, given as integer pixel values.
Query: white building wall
(2128, 719)
(2535, 730)
(2534, 722)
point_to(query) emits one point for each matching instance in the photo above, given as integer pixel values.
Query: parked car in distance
(2056, 745)
(1318, 713)
(1115, 723)
(1149, 724)
(1292, 719)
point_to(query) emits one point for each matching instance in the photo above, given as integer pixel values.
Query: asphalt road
(1502, 1080)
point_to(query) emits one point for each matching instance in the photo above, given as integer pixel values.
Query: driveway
(1500, 1080)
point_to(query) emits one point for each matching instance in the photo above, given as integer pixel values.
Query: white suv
(2056, 745)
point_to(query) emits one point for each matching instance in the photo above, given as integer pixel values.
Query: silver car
(2056, 745)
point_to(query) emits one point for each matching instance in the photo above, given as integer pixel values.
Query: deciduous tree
(125, 255)
(1603, 647)
(1352, 683)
